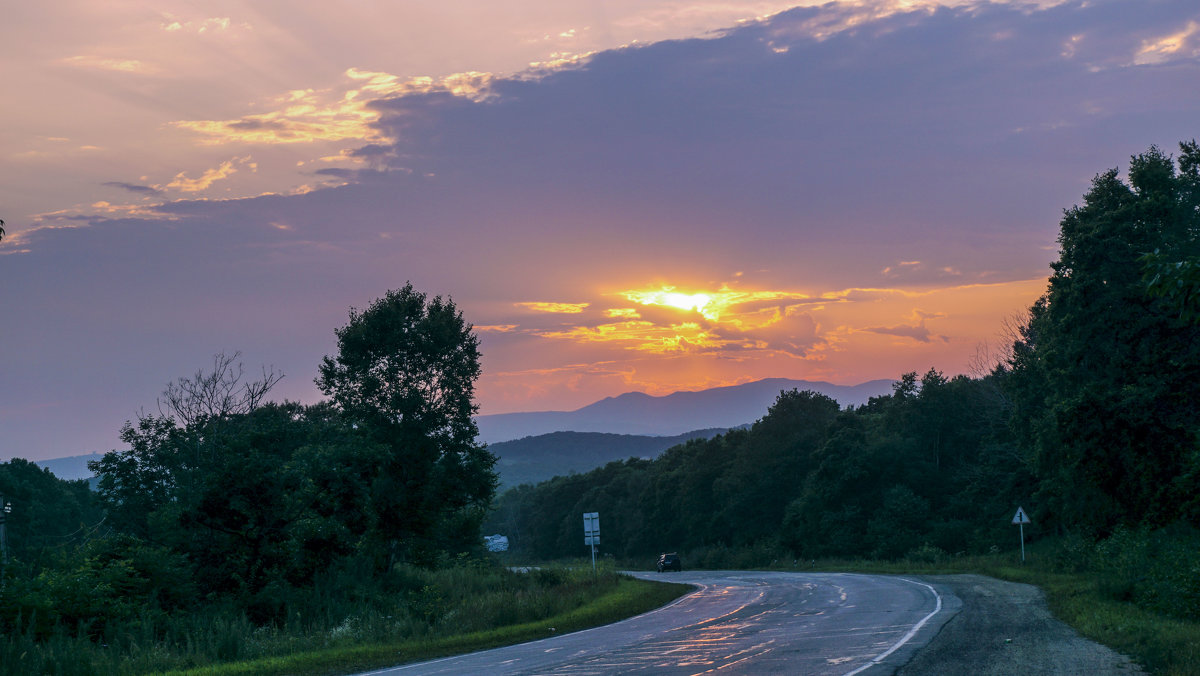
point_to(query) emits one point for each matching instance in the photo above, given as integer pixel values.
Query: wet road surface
(739, 623)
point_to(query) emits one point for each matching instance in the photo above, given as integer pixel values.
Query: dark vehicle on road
(669, 562)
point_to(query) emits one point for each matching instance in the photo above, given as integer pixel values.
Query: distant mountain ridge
(643, 414)
(535, 459)
(633, 413)
(72, 468)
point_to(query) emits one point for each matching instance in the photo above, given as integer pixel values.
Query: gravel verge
(1006, 628)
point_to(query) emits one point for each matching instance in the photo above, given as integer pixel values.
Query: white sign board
(1021, 517)
(591, 528)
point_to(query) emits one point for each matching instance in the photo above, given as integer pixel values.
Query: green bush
(1156, 569)
(108, 615)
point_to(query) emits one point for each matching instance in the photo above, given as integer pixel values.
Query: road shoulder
(1006, 628)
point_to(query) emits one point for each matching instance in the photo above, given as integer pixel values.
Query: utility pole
(4, 539)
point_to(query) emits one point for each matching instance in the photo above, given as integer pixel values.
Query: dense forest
(931, 464)
(1089, 420)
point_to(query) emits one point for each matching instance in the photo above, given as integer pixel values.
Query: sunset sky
(651, 195)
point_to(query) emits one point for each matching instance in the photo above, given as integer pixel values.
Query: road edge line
(911, 632)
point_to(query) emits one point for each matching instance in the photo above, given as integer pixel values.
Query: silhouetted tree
(1104, 377)
(405, 376)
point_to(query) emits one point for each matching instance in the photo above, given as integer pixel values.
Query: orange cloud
(1167, 47)
(210, 176)
(557, 308)
(846, 336)
(308, 115)
(623, 312)
(106, 63)
(694, 336)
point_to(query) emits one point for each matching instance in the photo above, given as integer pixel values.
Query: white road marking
(907, 637)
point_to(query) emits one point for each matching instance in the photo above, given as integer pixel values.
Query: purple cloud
(953, 137)
(134, 188)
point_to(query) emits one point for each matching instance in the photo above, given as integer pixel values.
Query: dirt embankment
(1005, 628)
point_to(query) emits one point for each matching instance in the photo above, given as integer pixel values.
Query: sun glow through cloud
(711, 305)
(663, 195)
(841, 336)
(727, 321)
(668, 297)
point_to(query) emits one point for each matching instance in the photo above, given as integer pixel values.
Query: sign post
(591, 533)
(1020, 519)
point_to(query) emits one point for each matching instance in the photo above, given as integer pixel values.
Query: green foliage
(1172, 269)
(1156, 569)
(263, 497)
(1104, 376)
(49, 515)
(408, 610)
(113, 579)
(253, 499)
(136, 483)
(404, 375)
(933, 464)
(1176, 281)
(237, 520)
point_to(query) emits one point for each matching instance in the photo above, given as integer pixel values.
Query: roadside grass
(627, 598)
(1163, 645)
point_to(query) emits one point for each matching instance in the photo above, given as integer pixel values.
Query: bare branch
(216, 394)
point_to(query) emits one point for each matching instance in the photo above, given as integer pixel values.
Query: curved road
(740, 623)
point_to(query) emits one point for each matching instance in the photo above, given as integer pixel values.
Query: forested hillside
(1090, 422)
(932, 463)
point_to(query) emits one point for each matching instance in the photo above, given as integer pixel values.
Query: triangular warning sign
(1021, 517)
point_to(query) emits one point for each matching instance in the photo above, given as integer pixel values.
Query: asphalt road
(740, 623)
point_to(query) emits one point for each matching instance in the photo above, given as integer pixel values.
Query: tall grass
(410, 606)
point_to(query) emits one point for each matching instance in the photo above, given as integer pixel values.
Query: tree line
(1090, 420)
(225, 500)
(222, 498)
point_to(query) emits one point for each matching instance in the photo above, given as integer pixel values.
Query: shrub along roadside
(625, 598)
(349, 621)
(1163, 645)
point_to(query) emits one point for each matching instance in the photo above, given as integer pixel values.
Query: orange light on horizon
(713, 305)
(693, 338)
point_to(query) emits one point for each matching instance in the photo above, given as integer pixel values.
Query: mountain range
(668, 419)
(643, 414)
(532, 460)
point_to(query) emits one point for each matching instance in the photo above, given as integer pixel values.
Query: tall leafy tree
(1173, 269)
(48, 513)
(405, 375)
(1106, 375)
